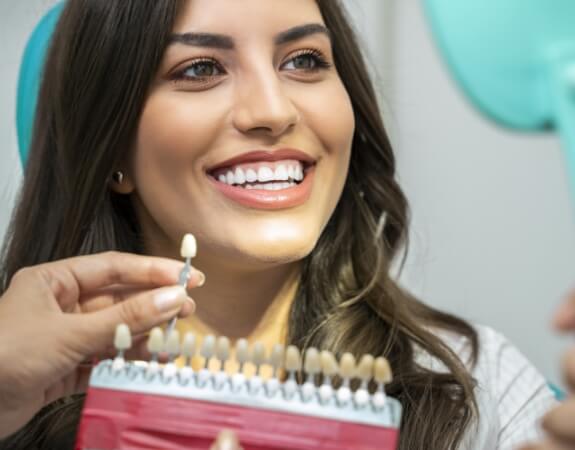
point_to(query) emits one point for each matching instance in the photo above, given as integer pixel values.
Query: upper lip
(265, 155)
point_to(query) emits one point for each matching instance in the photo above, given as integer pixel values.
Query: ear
(121, 183)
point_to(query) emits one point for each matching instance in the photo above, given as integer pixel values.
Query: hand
(227, 440)
(559, 423)
(56, 315)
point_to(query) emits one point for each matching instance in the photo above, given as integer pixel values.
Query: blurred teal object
(30, 78)
(559, 394)
(515, 60)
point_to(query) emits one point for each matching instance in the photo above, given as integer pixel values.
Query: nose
(263, 106)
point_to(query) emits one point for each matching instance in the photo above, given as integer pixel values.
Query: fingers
(569, 371)
(564, 319)
(104, 298)
(227, 440)
(68, 278)
(140, 313)
(558, 423)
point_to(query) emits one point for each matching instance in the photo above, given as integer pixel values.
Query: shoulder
(512, 394)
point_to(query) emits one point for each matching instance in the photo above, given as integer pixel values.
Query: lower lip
(262, 199)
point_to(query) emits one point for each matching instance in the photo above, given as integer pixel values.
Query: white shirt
(512, 396)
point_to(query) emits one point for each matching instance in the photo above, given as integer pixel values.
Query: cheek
(173, 130)
(174, 133)
(329, 115)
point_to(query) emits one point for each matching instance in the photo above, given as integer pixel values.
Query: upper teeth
(282, 172)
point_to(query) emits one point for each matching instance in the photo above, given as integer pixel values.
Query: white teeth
(251, 176)
(265, 174)
(239, 176)
(281, 173)
(298, 173)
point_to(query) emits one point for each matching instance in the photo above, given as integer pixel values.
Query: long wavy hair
(101, 62)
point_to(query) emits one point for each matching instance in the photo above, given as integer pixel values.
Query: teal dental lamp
(514, 59)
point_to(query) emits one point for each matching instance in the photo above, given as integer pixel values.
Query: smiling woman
(253, 125)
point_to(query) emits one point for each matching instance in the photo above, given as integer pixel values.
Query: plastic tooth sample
(242, 357)
(276, 362)
(189, 246)
(173, 349)
(258, 357)
(222, 350)
(364, 373)
(207, 352)
(122, 342)
(347, 372)
(292, 365)
(188, 351)
(173, 345)
(122, 338)
(312, 367)
(155, 346)
(330, 369)
(208, 349)
(222, 354)
(382, 375)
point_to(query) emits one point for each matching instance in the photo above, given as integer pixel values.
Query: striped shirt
(512, 396)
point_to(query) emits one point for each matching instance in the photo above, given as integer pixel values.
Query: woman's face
(243, 76)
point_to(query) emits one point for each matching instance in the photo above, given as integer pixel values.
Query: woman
(162, 117)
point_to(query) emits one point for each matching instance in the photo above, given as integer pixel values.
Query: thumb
(141, 313)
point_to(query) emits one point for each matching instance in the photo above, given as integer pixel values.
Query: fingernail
(169, 298)
(198, 278)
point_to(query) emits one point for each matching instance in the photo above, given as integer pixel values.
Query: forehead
(246, 17)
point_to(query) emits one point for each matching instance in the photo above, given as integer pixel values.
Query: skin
(259, 99)
(559, 424)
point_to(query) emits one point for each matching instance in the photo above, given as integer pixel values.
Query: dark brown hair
(103, 58)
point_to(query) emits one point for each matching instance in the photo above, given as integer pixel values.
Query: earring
(118, 177)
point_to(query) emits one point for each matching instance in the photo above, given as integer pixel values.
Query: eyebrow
(225, 42)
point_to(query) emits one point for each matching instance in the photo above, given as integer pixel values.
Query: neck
(244, 303)
(240, 300)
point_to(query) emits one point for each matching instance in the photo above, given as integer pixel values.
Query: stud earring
(118, 177)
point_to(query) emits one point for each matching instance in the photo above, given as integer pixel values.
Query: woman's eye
(307, 61)
(200, 71)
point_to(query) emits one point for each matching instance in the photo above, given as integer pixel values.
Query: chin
(276, 252)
